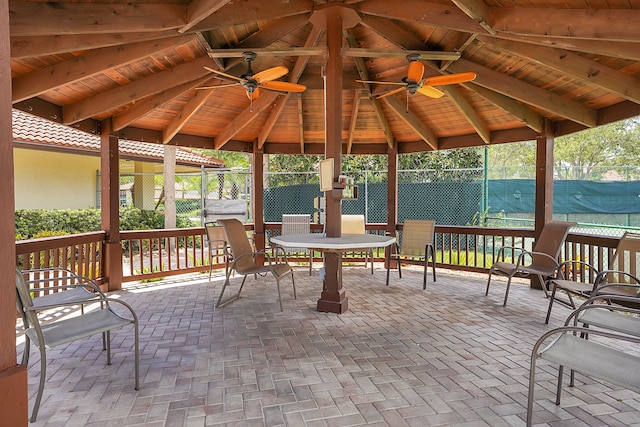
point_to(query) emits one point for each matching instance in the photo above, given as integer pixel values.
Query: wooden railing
(153, 254)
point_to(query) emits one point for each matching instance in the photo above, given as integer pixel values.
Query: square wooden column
(257, 163)
(392, 193)
(13, 377)
(544, 186)
(110, 206)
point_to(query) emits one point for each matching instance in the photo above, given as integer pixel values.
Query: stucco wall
(50, 180)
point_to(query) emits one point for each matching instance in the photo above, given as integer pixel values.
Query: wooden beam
(596, 24)
(364, 75)
(522, 112)
(294, 77)
(424, 12)
(244, 118)
(42, 19)
(293, 51)
(478, 11)
(198, 10)
(394, 33)
(139, 89)
(576, 66)
(301, 122)
(192, 107)
(87, 65)
(139, 109)
(468, 112)
(28, 46)
(377, 53)
(250, 11)
(354, 120)
(412, 121)
(529, 94)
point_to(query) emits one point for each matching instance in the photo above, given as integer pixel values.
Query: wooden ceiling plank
(364, 75)
(576, 66)
(527, 116)
(249, 11)
(597, 24)
(412, 121)
(87, 65)
(134, 91)
(140, 109)
(191, 108)
(478, 11)
(435, 14)
(267, 35)
(272, 119)
(294, 76)
(354, 120)
(468, 112)
(617, 49)
(52, 19)
(393, 32)
(33, 46)
(527, 93)
(244, 118)
(198, 10)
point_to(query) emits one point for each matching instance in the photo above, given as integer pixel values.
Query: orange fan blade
(449, 79)
(283, 86)
(270, 74)
(431, 92)
(225, 75)
(384, 95)
(416, 71)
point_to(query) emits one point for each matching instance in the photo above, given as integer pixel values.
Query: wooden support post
(544, 186)
(13, 378)
(392, 192)
(110, 206)
(258, 196)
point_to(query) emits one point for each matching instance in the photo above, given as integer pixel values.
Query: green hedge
(34, 223)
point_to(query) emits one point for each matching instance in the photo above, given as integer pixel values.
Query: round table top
(345, 242)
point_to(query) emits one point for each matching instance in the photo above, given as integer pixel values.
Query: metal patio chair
(293, 224)
(47, 334)
(622, 269)
(589, 343)
(355, 224)
(217, 244)
(542, 261)
(245, 261)
(418, 242)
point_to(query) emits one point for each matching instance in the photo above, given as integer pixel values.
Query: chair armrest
(603, 274)
(574, 262)
(501, 251)
(525, 253)
(581, 329)
(107, 302)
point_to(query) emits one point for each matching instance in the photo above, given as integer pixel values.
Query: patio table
(320, 242)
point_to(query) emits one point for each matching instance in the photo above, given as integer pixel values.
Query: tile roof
(36, 131)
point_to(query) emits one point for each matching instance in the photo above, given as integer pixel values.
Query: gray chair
(355, 224)
(418, 239)
(217, 245)
(293, 224)
(622, 269)
(48, 334)
(542, 261)
(588, 343)
(246, 261)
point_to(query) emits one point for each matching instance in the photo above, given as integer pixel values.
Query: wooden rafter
(468, 112)
(192, 107)
(248, 115)
(478, 11)
(198, 10)
(354, 120)
(412, 121)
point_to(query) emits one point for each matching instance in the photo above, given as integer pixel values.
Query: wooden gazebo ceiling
(560, 66)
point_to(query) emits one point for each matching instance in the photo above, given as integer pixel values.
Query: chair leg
(310, 261)
(279, 296)
(506, 292)
(433, 263)
(136, 349)
(108, 349)
(488, 283)
(293, 281)
(43, 377)
(424, 274)
(221, 302)
(559, 389)
(532, 374)
(26, 351)
(370, 254)
(388, 264)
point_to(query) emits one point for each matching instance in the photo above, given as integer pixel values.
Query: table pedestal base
(339, 307)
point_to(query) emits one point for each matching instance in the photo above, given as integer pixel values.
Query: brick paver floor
(401, 356)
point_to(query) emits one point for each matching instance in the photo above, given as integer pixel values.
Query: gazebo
(148, 71)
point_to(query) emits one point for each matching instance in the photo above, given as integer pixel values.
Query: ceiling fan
(253, 82)
(414, 83)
